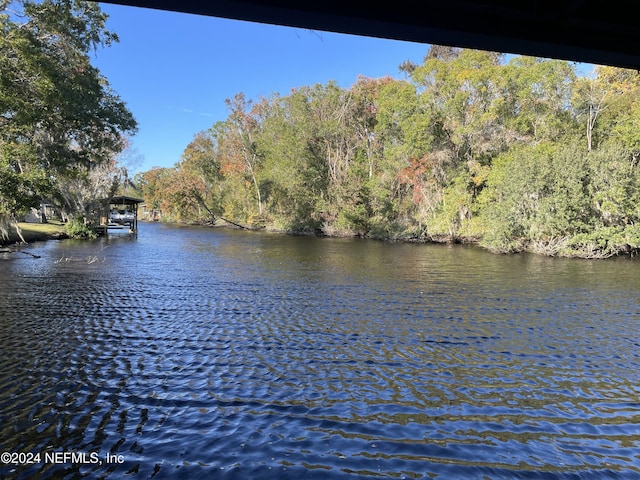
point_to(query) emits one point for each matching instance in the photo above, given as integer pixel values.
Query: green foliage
(76, 228)
(454, 213)
(562, 196)
(535, 96)
(614, 186)
(57, 112)
(535, 194)
(469, 148)
(19, 192)
(605, 242)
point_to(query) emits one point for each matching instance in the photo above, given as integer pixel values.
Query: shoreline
(55, 230)
(534, 248)
(33, 232)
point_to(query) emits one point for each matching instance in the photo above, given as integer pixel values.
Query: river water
(214, 353)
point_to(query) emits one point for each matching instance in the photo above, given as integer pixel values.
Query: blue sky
(175, 71)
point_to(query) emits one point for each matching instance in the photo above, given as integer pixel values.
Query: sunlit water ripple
(198, 353)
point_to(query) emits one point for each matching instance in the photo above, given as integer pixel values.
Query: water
(214, 353)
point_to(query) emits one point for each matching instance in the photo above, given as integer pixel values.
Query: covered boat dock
(119, 213)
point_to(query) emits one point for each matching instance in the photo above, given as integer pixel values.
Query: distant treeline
(523, 154)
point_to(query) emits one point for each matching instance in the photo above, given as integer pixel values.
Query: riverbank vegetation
(514, 153)
(61, 125)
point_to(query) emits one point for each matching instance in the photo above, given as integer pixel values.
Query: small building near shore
(152, 215)
(41, 214)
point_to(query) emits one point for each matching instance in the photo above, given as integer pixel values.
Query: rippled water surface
(211, 353)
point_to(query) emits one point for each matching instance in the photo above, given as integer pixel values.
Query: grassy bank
(34, 232)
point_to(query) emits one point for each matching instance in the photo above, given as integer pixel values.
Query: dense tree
(78, 192)
(200, 165)
(562, 199)
(150, 183)
(519, 155)
(58, 116)
(242, 128)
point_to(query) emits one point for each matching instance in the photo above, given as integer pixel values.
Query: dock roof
(123, 200)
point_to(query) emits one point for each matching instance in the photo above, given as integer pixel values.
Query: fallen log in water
(13, 250)
(239, 225)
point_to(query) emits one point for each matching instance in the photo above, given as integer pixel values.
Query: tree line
(515, 153)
